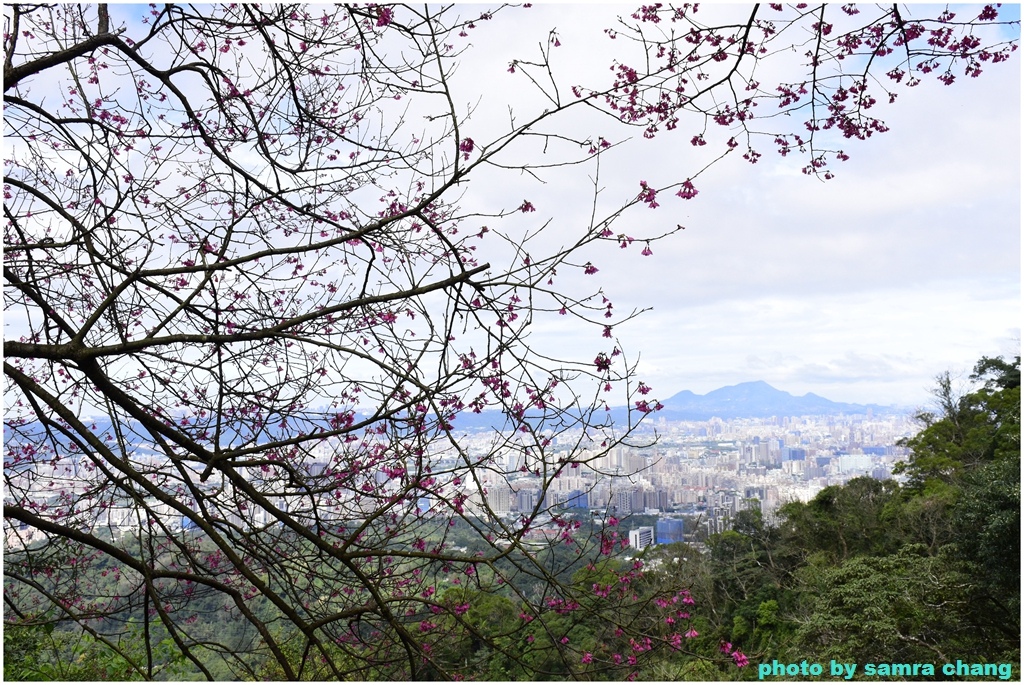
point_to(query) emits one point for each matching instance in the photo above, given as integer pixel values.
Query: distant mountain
(755, 399)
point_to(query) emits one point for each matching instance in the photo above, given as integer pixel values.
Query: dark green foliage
(875, 571)
(844, 521)
(987, 524)
(953, 588)
(906, 607)
(972, 429)
(45, 652)
(24, 651)
(977, 438)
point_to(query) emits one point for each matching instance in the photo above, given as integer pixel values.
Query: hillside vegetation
(869, 572)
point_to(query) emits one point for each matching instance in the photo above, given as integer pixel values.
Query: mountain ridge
(751, 399)
(756, 399)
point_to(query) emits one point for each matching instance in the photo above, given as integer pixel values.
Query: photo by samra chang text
(846, 671)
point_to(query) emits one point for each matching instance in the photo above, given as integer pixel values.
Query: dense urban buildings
(703, 471)
(713, 469)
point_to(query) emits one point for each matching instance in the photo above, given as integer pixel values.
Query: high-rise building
(793, 453)
(641, 537)
(670, 530)
(577, 499)
(526, 499)
(499, 498)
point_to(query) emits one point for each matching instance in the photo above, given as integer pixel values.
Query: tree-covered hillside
(868, 572)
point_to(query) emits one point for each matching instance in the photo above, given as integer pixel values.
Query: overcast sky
(860, 289)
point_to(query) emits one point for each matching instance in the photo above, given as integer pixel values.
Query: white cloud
(862, 288)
